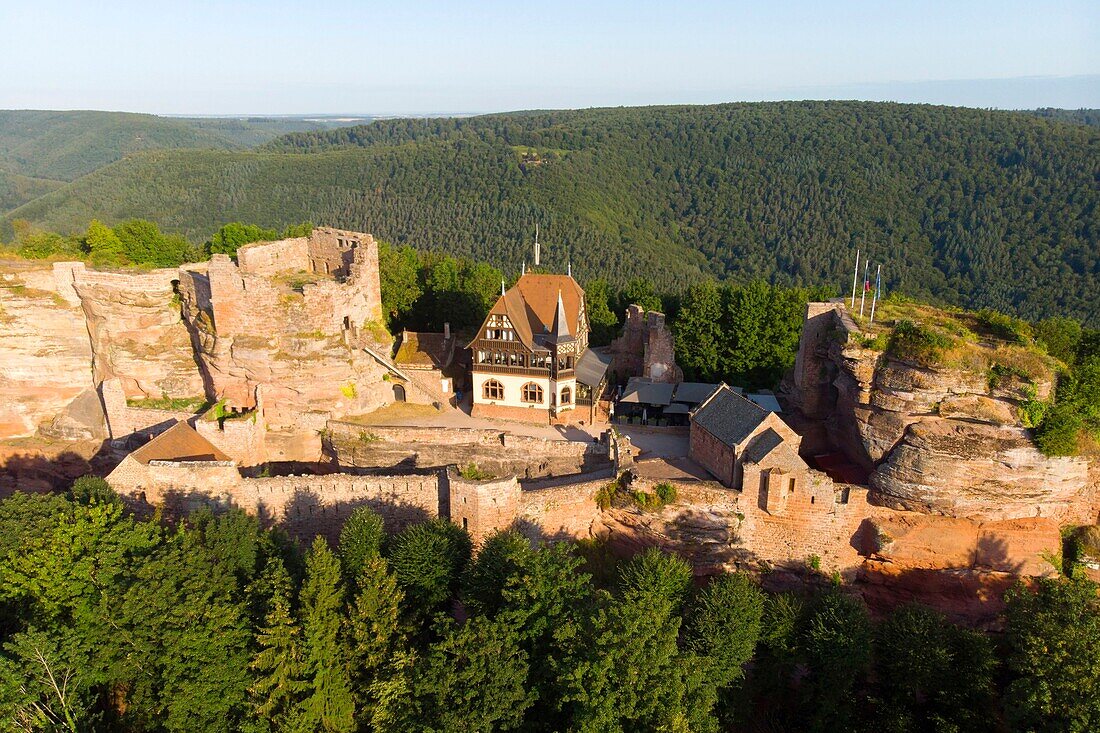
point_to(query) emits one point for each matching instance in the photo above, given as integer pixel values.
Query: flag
(878, 282)
(866, 286)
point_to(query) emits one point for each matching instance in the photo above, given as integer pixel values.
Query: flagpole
(878, 286)
(863, 294)
(855, 277)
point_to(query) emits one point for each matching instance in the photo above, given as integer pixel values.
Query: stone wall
(565, 512)
(482, 507)
(269, 258)
(124, 421)
(305, 505)
(645, 348)
(498, 452)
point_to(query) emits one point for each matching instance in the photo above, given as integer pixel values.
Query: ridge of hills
(977, 208)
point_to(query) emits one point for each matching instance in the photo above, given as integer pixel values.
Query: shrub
(1004, 326)
(920, 344)
(666, 492)
(1057, 435)
(93, 490)
(878, 342)
(605, 495)
(349, 391)
(471, 472)
(1060, 336)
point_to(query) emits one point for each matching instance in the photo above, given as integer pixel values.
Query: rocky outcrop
(45, 355)
(942, 440)
(137, 334)
(962, 468)
(251, 331)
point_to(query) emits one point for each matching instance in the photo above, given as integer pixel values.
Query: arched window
(493, 390)
(532, 393)
(566, 396)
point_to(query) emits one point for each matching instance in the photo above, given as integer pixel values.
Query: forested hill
(974, 207)
(65, 145)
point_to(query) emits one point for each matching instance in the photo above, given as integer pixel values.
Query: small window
(532, 393)
(790, 485)
(813, 499)
(465, 525)
(566, 396)
(493, 390)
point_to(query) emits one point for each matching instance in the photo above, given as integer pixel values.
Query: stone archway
(398, 393)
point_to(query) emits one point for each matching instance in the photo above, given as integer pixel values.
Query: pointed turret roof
(559, 331)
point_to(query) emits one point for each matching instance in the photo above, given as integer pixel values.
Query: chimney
(446, 330)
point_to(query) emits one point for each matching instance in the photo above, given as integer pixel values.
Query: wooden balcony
(506, 369)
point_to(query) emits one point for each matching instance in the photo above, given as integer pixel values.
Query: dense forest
(972, 207)
(110, 622)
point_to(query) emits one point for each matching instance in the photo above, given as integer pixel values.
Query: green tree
(1053, 636)
(500, 558)
(93, 490)
(373, 634)
(278, 666)
(640, 291)
(700, 333)
(472, 679)
(231, 236)
(329, 705)
(303, 229)
(144, 243)
(103, 245)
(399, 278)
(626, 672)
(836, 646)
(655, 571)
(428, 560)
(724, 625)
(602, 321)
(361, 540)
(933, 675)
(175, 603)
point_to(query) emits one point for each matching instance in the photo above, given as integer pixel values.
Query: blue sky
(339, 56)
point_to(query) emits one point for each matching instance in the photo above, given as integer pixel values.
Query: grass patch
(618, 494)
(164, 402)
(471, 472)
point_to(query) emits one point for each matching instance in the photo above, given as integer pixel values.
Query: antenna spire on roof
(536, 244)
(502, 286)
(523, 269)
(569, 268)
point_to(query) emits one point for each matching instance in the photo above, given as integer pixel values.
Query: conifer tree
(278, 666)
(328, 706)
(360, 541)
(373, 633)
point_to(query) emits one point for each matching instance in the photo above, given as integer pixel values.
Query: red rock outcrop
(938, 440)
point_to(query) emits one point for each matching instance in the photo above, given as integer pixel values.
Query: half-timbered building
(528, 353)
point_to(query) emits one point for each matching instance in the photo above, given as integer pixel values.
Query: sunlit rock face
(935, 440)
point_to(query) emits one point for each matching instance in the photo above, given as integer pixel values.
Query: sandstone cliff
(939, 439)
(45, 355)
